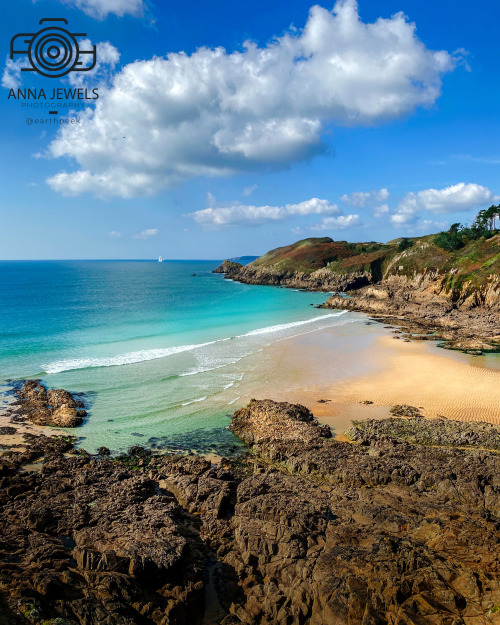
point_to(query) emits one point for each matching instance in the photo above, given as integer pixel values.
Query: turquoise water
(153, 347)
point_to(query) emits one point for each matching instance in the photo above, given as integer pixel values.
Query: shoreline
(381, 370)
(346, 367)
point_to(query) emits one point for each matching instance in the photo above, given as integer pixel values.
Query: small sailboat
(160, 259)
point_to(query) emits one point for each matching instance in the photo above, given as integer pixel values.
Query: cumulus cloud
(11, 77)
(459, 197)
(215, 113)
(145, 234)
(236, 214)
(100, 9)
(360, 199)
(337, 223)
(114, 234)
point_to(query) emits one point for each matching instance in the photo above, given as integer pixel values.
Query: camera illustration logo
(53, 51)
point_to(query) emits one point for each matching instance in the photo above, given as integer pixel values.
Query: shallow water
(154, 348)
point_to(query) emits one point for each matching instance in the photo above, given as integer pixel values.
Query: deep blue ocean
(158, 352)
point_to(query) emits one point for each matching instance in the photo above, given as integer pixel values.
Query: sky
(226, 129)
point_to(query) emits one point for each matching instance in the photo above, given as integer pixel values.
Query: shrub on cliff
(405, 244)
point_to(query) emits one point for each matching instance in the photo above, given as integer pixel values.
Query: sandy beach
(369, 365)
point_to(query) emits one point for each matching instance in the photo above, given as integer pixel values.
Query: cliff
(453, 293)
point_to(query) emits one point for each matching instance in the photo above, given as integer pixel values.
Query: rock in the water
(55, 407)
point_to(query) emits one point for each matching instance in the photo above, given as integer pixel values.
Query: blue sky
(328, 124)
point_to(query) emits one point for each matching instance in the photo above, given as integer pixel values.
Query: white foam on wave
(154, 354)
(200, 370)
(123, 359)
(194, 401)
(293, 324)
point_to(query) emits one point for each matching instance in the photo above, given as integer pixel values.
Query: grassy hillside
(312, 254)
(475, 263)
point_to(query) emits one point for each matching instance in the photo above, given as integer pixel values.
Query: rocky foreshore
(401, 526)
(424, 315)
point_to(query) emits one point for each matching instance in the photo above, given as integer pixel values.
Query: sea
(159, 350)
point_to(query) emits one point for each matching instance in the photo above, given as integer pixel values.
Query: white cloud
(380, 211)
(337, 223)
(114, 234)
(145, 234)
(99, 9)
(11, 77)
(241, 213)
(249, 190)
(216, 114)
(456, 198)
(360, 199)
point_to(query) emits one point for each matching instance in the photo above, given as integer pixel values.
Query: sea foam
(154, 354)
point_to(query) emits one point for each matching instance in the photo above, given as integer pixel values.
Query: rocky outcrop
(228, 267)
(424, 314)
(54, 407)
(264, 421)
(385, 532)
(304, 530)
(422, 431)
(91, 541)
(319, 280)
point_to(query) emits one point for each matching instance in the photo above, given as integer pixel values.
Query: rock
(55, 407)
(420, 430)
(103, 451)
(7, 430)
(228, 267)
(265, 420)
(137, 450)
(405, 411)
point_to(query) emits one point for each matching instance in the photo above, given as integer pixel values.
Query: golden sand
(373, 367)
